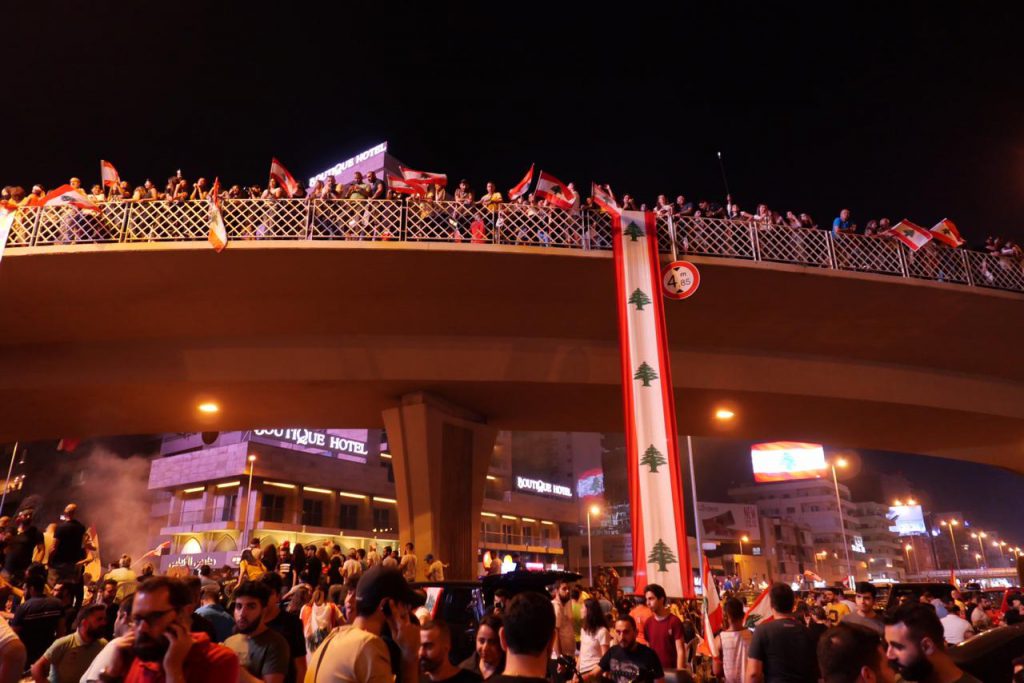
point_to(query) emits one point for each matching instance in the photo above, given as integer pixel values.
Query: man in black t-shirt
(434, 653)
(629, 660)
(35, 621)
(527, 636)
(24, 540)
(782, 650)
(68, 552)
(287, 625)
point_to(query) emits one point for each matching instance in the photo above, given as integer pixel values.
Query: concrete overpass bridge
(445, 328)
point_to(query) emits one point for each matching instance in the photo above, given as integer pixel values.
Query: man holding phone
(357, 652)
(165, 651)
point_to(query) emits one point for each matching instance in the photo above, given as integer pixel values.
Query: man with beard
(68, 658)
(565, 636)
(851, 653)
(287, 625)
(435, 647)
(165, 651)
(916, 648)
(628, 661)
(262, 653)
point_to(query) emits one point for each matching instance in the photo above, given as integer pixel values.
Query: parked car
(989, 656)
(902, 592)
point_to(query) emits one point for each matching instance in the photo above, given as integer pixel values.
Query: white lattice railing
(416, 220)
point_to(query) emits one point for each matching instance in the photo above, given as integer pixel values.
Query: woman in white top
(594, 638)
(733, 641)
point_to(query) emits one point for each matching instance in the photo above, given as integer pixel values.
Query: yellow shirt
(835, 612)
(491, 201)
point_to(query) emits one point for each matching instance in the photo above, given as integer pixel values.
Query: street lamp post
(908, 548)
(952, 539)
(981, 535)
(999, 546)
(977, 559)
(743, 539)
(841, 462)
(248, 504)
(595, 511)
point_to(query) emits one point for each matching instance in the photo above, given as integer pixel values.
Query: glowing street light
(950, 524)
(208, 407)
(724, 414)
(841, 462)
(248, 500)
(908, 548)
(595, 511)
(981, 536)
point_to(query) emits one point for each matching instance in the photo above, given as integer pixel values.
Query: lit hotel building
(310, 486)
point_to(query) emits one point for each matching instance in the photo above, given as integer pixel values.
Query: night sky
(905, 111)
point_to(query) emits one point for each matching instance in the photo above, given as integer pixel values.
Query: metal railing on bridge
(417, 220)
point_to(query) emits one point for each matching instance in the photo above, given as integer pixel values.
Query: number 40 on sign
(680, 279)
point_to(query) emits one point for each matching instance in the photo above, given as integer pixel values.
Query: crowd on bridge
(426, 194)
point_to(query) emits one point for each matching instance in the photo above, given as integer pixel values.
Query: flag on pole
(760, 612)
(8, 212)
(660, 553)
(952, 576)
(945, 231)
(912, 235)
(604, 199)
(108, 174)
(555, 191)
(68, 444)
(279, 173)
(524, 185)
(399, 185)
(218, 233)
(713, 611)
(423, 178)
(65, 195)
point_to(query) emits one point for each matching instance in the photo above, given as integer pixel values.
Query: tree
(662, 555)
(645, 373)
(639, 299)
(652, 458)
(634, 231)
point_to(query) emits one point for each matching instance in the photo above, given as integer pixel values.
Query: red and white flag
(279, 173)
(660, 553)
(399, 185)
(65, 195)
(713, 612)
(108, 174)
(945, 231)
(555, 191)
(604, 198)
(218, 233)
(760, 612)
(524, 185)
(912, 235)
(423, 178)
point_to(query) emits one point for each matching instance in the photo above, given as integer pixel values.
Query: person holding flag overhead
(284, 179)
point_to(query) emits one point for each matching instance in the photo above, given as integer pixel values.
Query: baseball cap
(379, 583)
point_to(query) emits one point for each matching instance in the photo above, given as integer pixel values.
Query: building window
(381, 519)
(312, 512)
(272, 508)
(527, 535)
(545, 533)
(348, 516)
(226, 506)
(506, 534)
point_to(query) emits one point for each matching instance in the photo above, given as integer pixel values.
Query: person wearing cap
(357, 653)
(211, 610)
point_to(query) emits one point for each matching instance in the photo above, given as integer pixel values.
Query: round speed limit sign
(680, 279)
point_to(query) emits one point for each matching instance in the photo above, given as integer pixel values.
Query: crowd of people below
(316, 613)
(371, 187)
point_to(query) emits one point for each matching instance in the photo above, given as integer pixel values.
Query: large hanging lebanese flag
(218, 236)
(945, 231)
(911, 234)
(660, 553)
(279, 173)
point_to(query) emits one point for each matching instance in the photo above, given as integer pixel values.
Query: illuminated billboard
(787, 460)
(906, 520)
(728, 521)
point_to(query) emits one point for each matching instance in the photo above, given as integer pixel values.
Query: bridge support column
(440, 455)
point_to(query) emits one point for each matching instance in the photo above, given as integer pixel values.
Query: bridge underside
(127, 339)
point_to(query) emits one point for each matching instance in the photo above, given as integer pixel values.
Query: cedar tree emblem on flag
(634, 231)
(645, 373)
(652, 458)
(639, 299)
(662, 556)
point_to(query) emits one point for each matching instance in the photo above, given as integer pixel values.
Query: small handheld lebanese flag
(279, 173)
(945, 231)
(218, 234)
(912, 235)
(760, 612)
(603, 198)
(399, 185)
(713, 611)
(108, 174)
(520, 189)
(423, 178)
(65, 195)
(555, 191)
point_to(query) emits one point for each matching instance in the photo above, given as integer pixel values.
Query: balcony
(512, 225)
(200, 520)
(520, 543)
